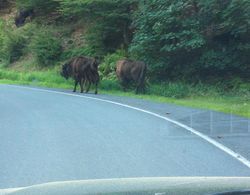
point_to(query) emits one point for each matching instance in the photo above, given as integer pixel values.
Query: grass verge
(209, 98)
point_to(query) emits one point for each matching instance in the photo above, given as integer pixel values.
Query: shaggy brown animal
(128, 70)
(83, 70)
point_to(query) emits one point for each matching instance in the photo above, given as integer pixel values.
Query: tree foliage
(40, 7)
(183, 38)
(12, 44)
(109, 21)
(178, 39)
(4, 4)
(46, 47)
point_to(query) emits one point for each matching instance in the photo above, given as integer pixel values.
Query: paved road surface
(54, 137)
(230, 130)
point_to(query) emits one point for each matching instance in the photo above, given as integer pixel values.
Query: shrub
(239, 87)
(78, 51)
(2, 37)
(12, 44)
(173, 90)
(13, 47)
(40, 6)
(202, 89)
(46, 48)
(109, 85)
(193, 39)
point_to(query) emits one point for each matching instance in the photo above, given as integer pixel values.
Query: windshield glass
(123, 89)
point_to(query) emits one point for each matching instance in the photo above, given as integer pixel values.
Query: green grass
(207, 97)
(234, 105)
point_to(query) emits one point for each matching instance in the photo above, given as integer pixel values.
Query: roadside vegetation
(198, 96)
(197, 51)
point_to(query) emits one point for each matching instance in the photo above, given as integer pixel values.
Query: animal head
(95, 64)
(66, 70)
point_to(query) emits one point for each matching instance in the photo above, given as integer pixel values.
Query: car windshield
(119, 89)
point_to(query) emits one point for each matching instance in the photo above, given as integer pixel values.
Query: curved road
(55, 137)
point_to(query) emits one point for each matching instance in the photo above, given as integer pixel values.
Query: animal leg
(140, 88)
(82, 83)
(124, 85)
(76, 83)
(96, 85)
(87, 90)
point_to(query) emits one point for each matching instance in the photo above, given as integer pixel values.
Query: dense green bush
(167, 37)
(12, 44)
(2, 37)
(193, 39)
(107, 84)
(77, 51)
(40, 7)
(169, 89)
(46, 48)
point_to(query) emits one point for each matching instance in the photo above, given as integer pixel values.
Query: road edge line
(218, 145)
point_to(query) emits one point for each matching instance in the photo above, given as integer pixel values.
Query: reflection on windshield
(123, 89)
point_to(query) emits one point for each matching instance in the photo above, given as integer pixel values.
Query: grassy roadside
(238, 105)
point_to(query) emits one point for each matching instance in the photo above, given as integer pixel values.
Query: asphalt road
(55, 137)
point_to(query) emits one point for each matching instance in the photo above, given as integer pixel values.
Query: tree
(225, 25)
(188, 38)
(40, 7)
(4, 3)
(109, 21)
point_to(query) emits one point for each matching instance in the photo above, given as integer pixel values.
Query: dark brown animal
(128, 70)
(83, 70)
(92, 77)
(21, 17)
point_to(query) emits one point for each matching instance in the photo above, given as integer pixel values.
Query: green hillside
(197, 51)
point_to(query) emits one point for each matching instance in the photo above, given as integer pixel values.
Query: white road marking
(220, 146)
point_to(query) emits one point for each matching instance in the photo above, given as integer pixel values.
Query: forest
(191, 47)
